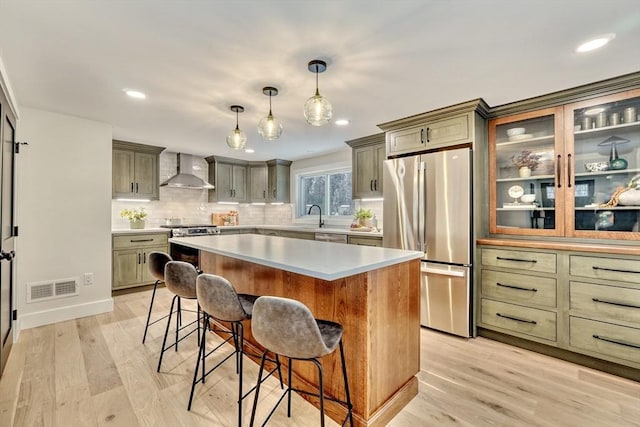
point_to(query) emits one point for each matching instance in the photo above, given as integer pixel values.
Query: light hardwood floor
(94, 371)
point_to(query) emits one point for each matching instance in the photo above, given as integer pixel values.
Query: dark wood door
(7, 230)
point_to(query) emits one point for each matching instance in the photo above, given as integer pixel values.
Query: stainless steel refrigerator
(427, 207)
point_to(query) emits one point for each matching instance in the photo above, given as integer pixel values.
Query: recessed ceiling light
(595, 43)
(249, 150)
(135, 94)
(342, 122)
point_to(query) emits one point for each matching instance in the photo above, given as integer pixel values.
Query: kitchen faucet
(321, 222)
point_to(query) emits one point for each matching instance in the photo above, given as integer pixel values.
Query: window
(329, 190)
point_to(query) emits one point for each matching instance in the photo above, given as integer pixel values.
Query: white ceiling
(387, 60)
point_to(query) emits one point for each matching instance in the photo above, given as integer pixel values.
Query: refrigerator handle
(422, 198)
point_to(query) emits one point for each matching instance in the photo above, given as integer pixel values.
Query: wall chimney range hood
(184, 177)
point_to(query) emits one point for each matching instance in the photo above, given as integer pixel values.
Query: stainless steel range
(184, 253)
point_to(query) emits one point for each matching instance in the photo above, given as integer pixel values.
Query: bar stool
(180, 279)
(287, 327)
(156, 262)
(219, 300)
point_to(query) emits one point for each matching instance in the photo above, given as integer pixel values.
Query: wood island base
(380, 312)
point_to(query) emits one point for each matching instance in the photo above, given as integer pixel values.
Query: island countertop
(321, 260)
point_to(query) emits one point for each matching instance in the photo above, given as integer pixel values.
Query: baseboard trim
(61, 314)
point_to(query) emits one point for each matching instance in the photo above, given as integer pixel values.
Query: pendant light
(238, 139)
(269, 127)
(317, 109)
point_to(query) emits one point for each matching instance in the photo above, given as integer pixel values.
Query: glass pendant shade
(237, 139)
(317, 109)
(269, 127)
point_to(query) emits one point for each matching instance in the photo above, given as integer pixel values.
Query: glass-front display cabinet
(525, 189)
(571, 171)
(603, 135)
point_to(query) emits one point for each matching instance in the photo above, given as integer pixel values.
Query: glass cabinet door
(526, 173)
(604, 192)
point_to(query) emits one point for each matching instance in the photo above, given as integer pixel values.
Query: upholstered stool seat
(180, 279)
(156, 262)
(288, 328)
(218, 299)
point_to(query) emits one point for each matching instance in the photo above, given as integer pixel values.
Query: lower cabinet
(587, 303)
(130, 255)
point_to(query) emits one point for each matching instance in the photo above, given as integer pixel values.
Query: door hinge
(14, 315)
(15, 231)
(18, 144)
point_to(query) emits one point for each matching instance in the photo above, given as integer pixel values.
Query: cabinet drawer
(365, 241)
(624, 270)
(139, 240)
(519, 288)
(519, 260)
(612, 302)
(525, 320)
(605, 338)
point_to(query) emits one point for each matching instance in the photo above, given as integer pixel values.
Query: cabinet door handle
(144, 257)
(595, 267)
(517, 319)
(132, 187)
(140, 240)
(422, 136)
(517, 287)
(558, 171)
(621, 304)
(619, 342)
(136, 187)
(516, 259)
(371, 184)
(569, 170)
(138, 257)
(428, 134)
(375, 185)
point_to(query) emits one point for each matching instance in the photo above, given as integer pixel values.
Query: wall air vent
(53, 289)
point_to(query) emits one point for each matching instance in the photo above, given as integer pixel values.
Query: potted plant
(526, 162)
(135, 216)
(364, 217)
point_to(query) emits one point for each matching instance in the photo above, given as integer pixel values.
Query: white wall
(63, 213)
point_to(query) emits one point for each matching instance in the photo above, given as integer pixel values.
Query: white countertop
(321, 260)
(304, 228)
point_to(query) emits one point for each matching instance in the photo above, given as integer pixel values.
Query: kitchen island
(373, 292)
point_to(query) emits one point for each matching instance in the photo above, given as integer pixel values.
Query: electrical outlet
(88, 278)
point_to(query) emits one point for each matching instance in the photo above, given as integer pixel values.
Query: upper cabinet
(135, 171)
(258, 184)
(229, 176)
(368, 155)
(455, 125)
(278, 181)
(572, 170)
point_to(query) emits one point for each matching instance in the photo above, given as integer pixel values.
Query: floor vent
(50, 290)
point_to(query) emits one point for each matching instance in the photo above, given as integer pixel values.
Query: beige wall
(63, 210)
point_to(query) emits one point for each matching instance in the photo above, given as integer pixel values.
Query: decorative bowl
(515, 131)
(596, 166)
(528, 198)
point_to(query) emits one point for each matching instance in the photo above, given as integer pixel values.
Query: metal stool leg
(201, 353)
(255, 398)
(346, 386)
(166, 332)
(153, 296)
(321, 387)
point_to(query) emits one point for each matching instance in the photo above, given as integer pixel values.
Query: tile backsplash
(192, 206)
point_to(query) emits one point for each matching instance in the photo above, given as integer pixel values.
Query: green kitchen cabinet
(368, 156)
(278, 181)
(135, 171)
(230, 179)
(130, 253)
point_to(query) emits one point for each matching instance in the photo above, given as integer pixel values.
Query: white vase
(136, 225)
(524, 172)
